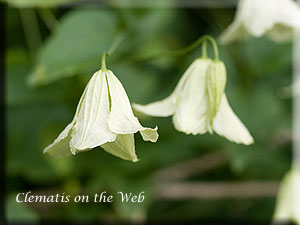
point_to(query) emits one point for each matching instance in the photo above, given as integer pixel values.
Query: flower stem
(48, 18)
(103, 61)
(197, 43)
(31, 30)
(204, 49)
(185, 50)
(112, 48)
(214, 45)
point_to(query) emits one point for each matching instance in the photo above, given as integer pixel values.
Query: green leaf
(76, 46)
(18, 93)
(19, 212)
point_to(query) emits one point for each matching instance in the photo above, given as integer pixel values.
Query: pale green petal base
(122, 147)
(59, 150)
(61, 145)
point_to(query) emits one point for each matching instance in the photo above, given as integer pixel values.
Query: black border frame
(2, 115)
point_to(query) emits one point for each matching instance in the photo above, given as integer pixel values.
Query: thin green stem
(113, 47)
(214, 45)
(31, 30)
(48, 18)
(185, 50)
(204, 49)
(103, 61)
(197, 43)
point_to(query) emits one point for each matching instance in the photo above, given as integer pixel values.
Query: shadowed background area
(51, 55)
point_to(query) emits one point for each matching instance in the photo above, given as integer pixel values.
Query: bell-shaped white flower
(103, 118)
(275, 18)
(199, 105)
(288, 199)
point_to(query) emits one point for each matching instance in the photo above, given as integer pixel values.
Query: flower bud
(215, 84)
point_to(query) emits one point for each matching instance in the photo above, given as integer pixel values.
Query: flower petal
(61, 146)
(287, 22)
(192, 112)
(164, 108)
(259, 16)
(149, 134)
(280, 33)
(91, 128)
(289, 14)
(121, 118)
(122, 147)
(237, 30)
(227, 124)
(167, 106)
(256, 17)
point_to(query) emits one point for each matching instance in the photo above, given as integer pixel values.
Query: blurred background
(52, 52)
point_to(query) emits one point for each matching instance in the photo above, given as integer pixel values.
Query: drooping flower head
(199, 104)
(275, 18)
(103, 118)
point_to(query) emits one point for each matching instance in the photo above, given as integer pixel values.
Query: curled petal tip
(135, 160)
(150, 134)
(251, 142)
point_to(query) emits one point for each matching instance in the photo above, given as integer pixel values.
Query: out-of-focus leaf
(259, 111)
(19, 212)
(37, 3)
(29, 113)
(24, 126)
(276, 58)
(76, 46)
(18, 93)
(149, 33)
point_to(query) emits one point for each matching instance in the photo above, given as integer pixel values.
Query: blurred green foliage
(43, 91)
(38, 3)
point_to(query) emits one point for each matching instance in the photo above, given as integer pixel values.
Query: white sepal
(228, 125)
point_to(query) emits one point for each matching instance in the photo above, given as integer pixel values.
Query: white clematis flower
(288, 200)
(275, 18)
(103, 118)
(199, 105)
